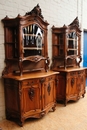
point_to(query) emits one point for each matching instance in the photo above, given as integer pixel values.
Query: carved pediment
(75, 23)
(35, 11)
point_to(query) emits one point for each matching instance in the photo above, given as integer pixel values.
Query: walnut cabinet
(71, 84)
(66, 58)
(30, 87)
(26, 45)
(66, 46)
(31, 95)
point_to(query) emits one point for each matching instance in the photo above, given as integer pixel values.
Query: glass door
(72, 44)
(32, 40)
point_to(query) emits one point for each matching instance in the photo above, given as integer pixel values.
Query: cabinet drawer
(30, 82)
(81, 72)
(49, 78)
(72, 73)
(76, 73)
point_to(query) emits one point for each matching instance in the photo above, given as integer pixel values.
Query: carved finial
(6, 17)
(64, 26)
(19, 16)
(35, 11)
(75, 22)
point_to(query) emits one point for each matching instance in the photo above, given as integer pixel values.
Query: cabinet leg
(65, 102)
(20, 123)
(83, 95)
(53, 108)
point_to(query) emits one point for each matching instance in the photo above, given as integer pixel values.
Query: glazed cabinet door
(31, 98)
(49, 93)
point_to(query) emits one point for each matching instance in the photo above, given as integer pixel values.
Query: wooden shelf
(32, 48)
(71, 39)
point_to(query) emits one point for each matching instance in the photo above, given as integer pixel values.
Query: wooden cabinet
(66, 46)
(31, 95)
(66, 58)
(71, 84)
(26, 46)
(30, 87)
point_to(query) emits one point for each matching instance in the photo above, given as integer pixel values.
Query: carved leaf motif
(31, 93)
(35, 11)
(48, 88)
(72, 82)
(75, 22)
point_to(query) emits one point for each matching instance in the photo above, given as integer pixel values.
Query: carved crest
(35, 11)
(75, 22)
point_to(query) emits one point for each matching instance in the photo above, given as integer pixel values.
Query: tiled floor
(71, 117)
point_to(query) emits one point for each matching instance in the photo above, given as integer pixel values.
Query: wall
(56, 12)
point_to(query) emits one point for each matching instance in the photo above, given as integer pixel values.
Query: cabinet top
(73, 25)
(35, 13)
(71, 69)
(33, 75)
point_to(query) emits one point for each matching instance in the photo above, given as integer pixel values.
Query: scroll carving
(48, 89)
(35, 11)
(72, 82)
(34, 58)
(75, 22)
(31, 93)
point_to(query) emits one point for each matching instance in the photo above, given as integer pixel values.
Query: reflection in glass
(72, 44)
(32, 40)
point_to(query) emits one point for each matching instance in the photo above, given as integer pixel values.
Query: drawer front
(76, 73)
(81, 72)
(49, 78)
(29, 82)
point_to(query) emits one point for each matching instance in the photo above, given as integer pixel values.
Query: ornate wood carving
(31, 93)
(34, 58)
(72, 82)
(35, 11)
(48, 88)
(75, 22)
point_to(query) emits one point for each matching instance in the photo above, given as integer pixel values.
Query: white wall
(56, 12)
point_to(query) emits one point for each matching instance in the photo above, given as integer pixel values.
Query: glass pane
(32, 40)
(61, 46)
(72, 44)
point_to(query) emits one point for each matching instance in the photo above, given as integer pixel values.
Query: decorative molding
(75, 23)
(35, 11)
(48, 88)
(72, 82)
(31, 93)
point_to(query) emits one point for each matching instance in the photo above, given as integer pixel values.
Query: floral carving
(35, 11)
(31, 93)
(72, 82)
(48, 89)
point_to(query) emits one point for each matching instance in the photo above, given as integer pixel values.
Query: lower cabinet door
(81, 84)
(71, 89)
(31, 98)
(49, 93)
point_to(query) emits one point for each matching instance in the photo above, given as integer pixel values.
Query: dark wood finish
(66, 58)
(66, 46)
(71, 84)
(30, 88)
(26, 42)
(30, 95)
